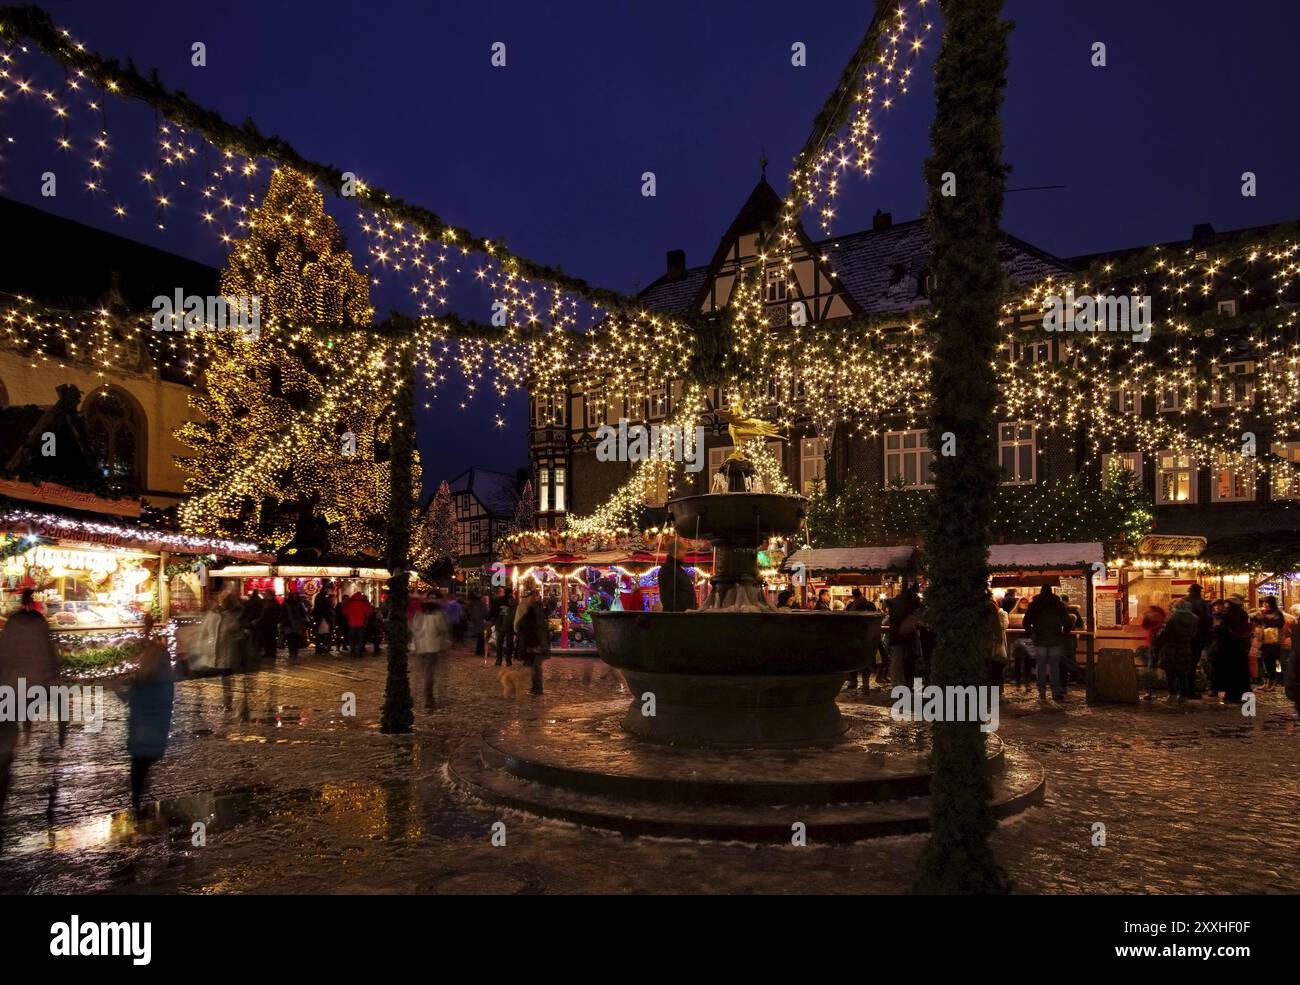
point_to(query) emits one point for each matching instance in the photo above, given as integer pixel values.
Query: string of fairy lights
(555, 336)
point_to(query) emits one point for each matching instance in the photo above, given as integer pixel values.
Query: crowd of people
(1233, 649)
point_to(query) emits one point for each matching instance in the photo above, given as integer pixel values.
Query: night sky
(548, 152)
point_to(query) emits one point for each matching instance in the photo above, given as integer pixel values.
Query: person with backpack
(1048, 621)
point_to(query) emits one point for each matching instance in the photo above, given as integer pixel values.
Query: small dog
(515, 681)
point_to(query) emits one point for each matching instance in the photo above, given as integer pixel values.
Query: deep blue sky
(548, 152)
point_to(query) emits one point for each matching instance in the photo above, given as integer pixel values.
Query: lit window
(595, 409)
(812, 465)
(559, 489)
(907, 460)
(1233, 480)
(544, 490)
(1124, 400)
(658, 402)
(1174, 398)
(777, 288)
(1286, 478)
(1016, 453)
(1129, 461)
(1175, 477)
(1235, 385)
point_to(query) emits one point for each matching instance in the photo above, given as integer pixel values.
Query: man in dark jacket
(322, 618)
(1048, 621)
(676, 586)
(1173, 647)
(1204, 634)
(506, 629)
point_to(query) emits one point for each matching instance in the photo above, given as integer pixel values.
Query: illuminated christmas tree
(440, 530)
(288, 416)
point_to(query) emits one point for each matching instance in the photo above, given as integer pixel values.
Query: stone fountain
(733, 730)
(737, 671)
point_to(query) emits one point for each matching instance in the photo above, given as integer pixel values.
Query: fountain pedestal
(737, 671)
(734, 731)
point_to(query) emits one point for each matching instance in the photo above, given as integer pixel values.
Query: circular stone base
(579, 765)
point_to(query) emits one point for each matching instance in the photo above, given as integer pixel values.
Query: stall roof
(116, 532)
(865, 559)
(1025, 557)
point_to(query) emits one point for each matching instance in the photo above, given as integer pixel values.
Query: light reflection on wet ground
(295, 796)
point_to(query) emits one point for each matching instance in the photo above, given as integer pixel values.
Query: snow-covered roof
(852, 559)
(1073, 555)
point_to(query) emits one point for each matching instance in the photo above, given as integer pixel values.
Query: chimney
(676, 264)
(881, 220)
(1202, 232)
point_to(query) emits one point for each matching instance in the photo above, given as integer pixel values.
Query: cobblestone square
(298, 798)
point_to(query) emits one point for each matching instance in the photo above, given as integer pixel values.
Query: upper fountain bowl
(748, 518)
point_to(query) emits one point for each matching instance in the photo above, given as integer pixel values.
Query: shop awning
(867, 560)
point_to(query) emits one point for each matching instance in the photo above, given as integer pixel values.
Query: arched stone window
(115, 427)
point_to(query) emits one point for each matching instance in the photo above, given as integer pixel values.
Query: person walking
(429, 638)
(356, 613)
(149, 699)
(859, 603)
(998, 621)
(1152, 620)
(904, 622)
(1232, 652)
(1291, 670)
(27, 654)
(534, 637)
(250, 618)
(268, 627)
(476, 622)
(322, 619)
(296, 620)
(1047, 620)
(1201, 642)
(1173, 645)
(506, 629)
(1271, 624)
(375, 623)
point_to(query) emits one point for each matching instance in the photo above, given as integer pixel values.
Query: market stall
(96, 576)
(878, 571)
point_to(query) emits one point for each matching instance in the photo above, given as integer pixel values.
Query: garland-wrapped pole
(970, 76)
(398, 715)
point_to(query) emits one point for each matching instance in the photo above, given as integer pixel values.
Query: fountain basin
(722, 677)
(737, 518)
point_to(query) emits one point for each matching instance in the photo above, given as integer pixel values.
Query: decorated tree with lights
(440, 531)
(293, 262)
(526, 511)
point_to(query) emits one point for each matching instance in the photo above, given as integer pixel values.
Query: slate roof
(497, 491)
(883, 270)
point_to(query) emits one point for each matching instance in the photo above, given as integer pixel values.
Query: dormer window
(1228, 308)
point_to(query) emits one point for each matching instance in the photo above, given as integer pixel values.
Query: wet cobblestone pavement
(299, 798)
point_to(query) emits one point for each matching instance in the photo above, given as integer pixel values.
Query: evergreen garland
(966, 136)
(1072, 510)
(398, 715)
